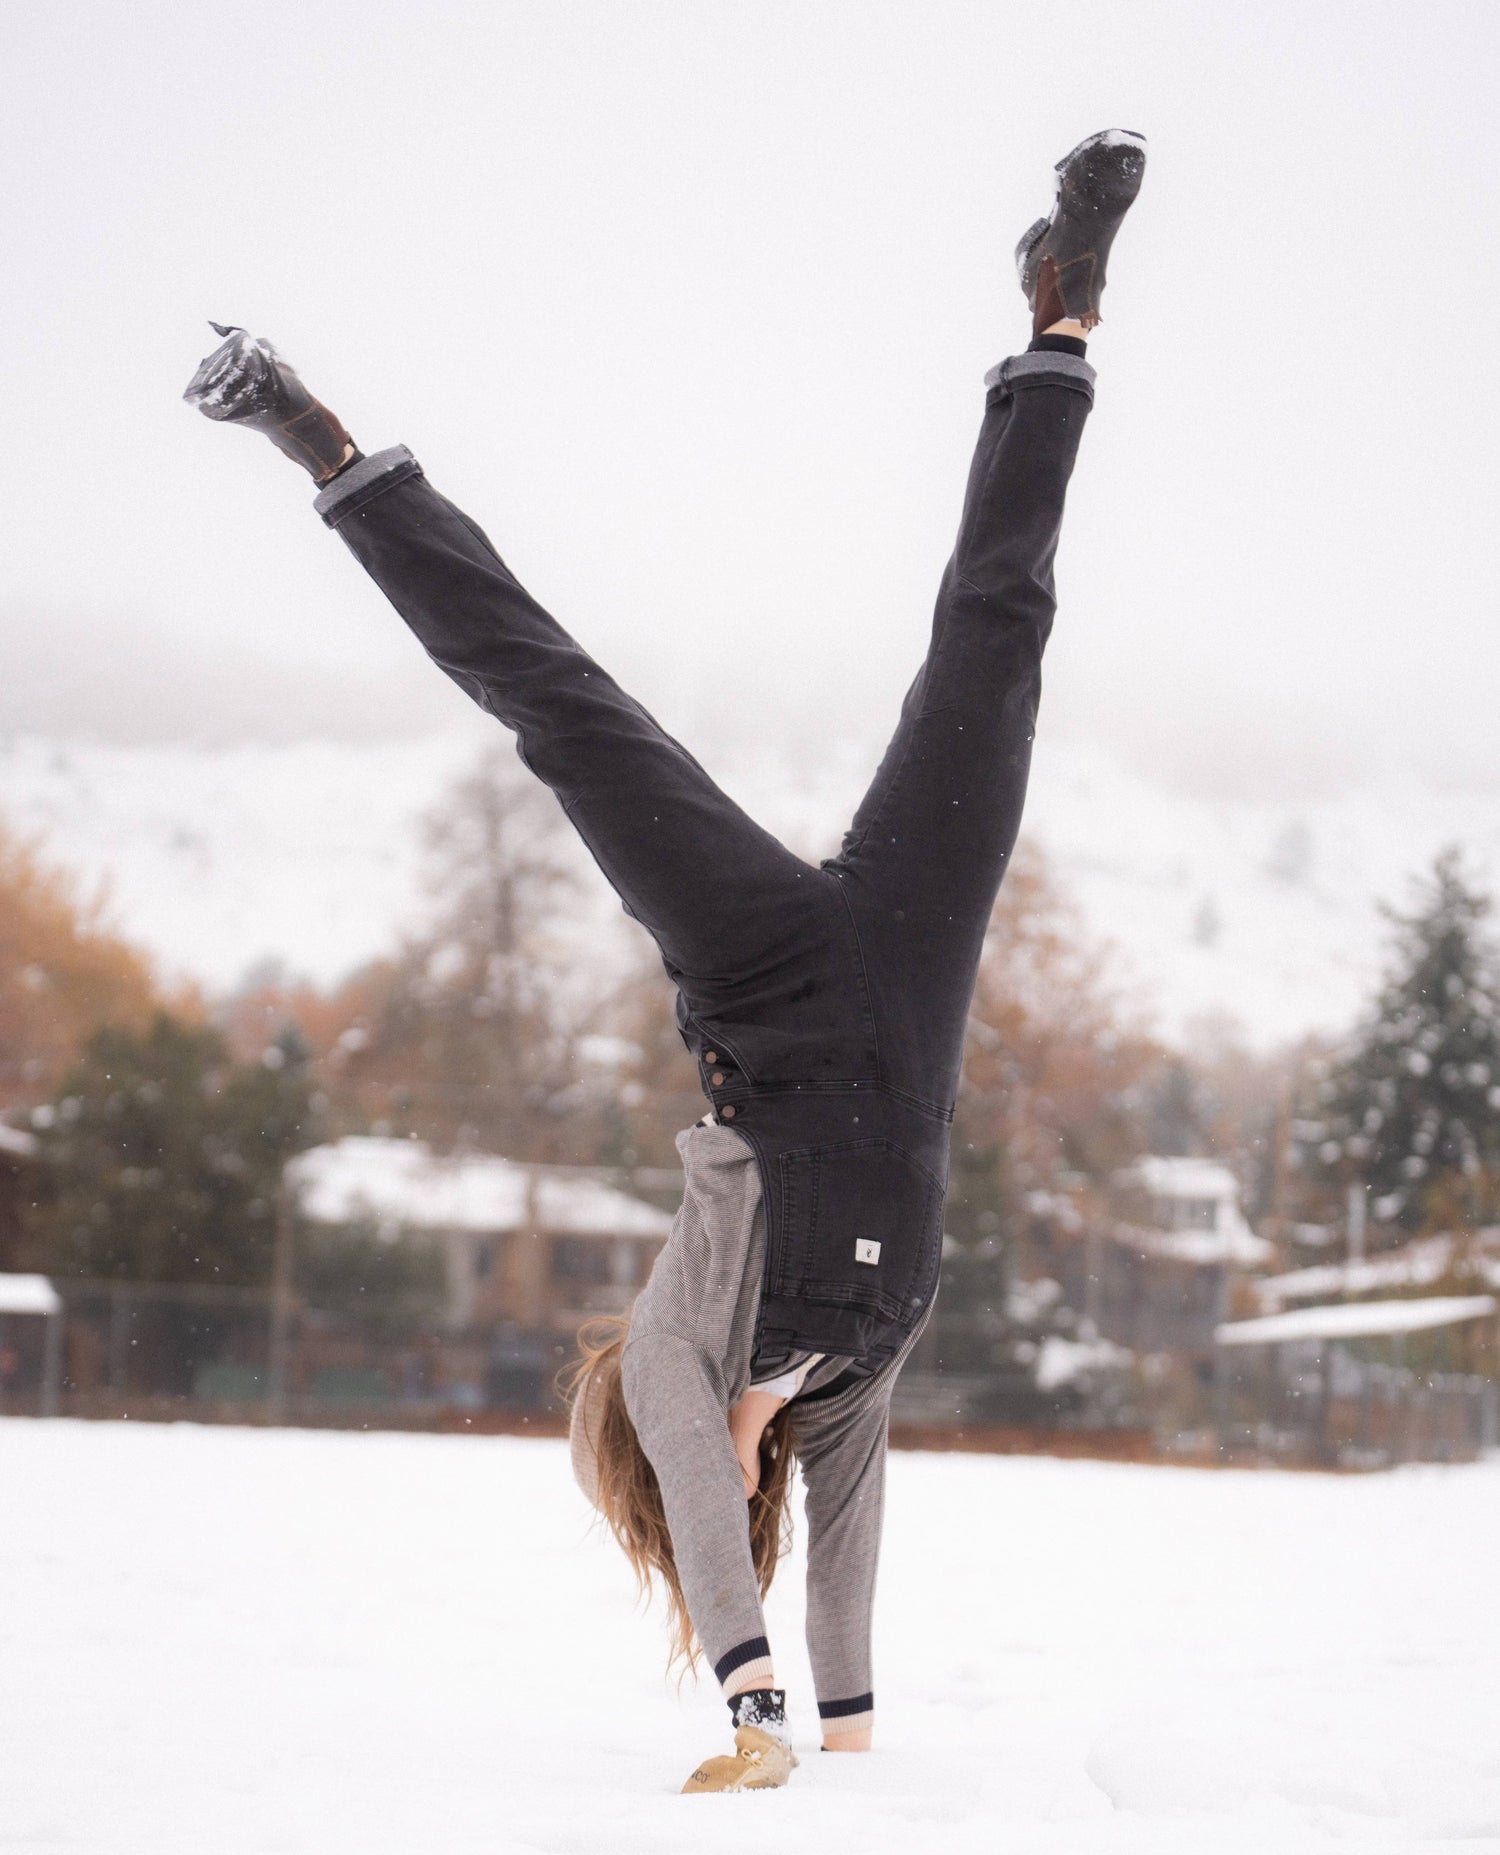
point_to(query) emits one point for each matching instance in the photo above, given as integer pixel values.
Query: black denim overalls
(826, 1007)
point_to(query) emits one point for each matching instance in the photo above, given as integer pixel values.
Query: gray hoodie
(686, 1363)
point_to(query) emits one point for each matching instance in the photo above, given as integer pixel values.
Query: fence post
(1220, 1398)
(1325, 1453)
(52, 1351)
(118, 1302)
(1403, 1426)
(1362, 1430)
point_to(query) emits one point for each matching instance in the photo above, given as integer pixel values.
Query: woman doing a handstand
(825, 1006)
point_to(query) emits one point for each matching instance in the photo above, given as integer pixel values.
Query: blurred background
(335, 1089)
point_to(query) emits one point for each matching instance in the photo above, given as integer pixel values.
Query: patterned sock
(762, 1707)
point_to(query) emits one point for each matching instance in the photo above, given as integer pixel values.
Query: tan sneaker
(762, 1762)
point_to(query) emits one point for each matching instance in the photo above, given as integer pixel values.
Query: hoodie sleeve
(843, 1467)
(676, 1402)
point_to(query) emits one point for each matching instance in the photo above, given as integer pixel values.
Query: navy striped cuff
(749, 1660)
(847, 1716)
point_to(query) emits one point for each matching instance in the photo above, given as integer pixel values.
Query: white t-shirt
(787, 1384)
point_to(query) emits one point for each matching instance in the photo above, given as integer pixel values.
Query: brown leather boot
(246, 382)
(1061, 259)
(761, 1762)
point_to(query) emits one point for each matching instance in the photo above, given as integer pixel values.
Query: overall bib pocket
(861, 1229)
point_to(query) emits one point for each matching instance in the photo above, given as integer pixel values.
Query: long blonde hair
(629, 1496)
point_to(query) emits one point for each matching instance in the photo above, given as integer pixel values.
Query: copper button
(717, 1077)
(728, 1113)
(710, 1056)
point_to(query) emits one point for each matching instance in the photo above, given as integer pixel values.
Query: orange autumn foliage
(1053, 1064)
(63, 972)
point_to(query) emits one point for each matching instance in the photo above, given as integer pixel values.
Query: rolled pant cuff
(351, 489)
(848, 1716)
(1042, 370)
(748, 1665)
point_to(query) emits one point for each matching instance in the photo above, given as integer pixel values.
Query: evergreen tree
(974, 1329)
(1411, 1111)
(394, 1284)
(166, 1155)
(1176, 1111)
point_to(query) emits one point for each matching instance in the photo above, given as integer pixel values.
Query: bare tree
(466, 1033)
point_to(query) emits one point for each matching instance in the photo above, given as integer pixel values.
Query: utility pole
(281, 1301)
(1280, 1224)
(1354, 1251)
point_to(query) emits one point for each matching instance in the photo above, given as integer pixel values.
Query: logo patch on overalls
(866, 1249)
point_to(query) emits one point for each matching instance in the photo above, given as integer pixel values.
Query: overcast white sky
(689, 304)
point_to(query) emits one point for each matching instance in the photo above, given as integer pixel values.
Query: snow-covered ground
(261, 1641)
(1262, 910)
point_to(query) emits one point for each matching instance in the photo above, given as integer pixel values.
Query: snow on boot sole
(1061, 259)
(246, 382)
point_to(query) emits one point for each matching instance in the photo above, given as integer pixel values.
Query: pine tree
(166, 1155)
(1177, 1111)
(1411, 1111)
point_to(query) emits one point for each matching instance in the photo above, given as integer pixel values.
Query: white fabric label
(866, 1249)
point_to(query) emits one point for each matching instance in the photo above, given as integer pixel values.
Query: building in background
(529, 1252)
(538, 1246)
(31, 1340)
(1346, 1384)
(1426, 1265)
(17, 1179)
(1177, 1247)
(1158, 1264)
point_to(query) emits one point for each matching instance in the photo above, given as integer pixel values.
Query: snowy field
(219, 1641)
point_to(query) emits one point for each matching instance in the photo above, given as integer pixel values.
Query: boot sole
(1094, 186)
(1113, 182)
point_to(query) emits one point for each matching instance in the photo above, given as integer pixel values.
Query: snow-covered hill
(307, 853)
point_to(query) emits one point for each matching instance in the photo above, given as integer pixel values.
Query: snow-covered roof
(402, 1182)
(28, 1294)
(1172, 1176)
(1238, 1244)
(1171, 1179)
(16, 1140)
(1414, 1265)
(1347, 1320)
